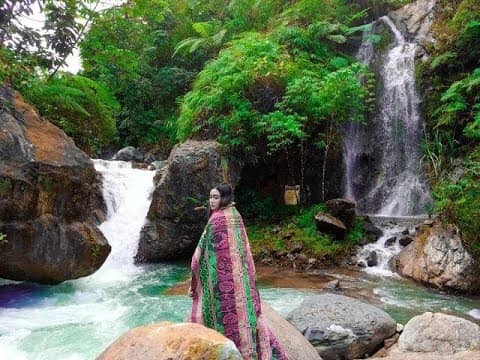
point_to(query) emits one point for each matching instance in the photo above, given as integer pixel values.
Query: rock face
(341, 327)
(295, 344)
(330, 225)
(165, 341)
(437, 332)
(437, 257)
(416, 19)
(174, 225)
(49, 192)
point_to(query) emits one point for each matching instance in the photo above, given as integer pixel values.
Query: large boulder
(49, 192)
(438, 257)
(174, 225)
(165, 341)
(340, 327)
(437, 336)
(329, 224)
(437, 332)
(293, 342)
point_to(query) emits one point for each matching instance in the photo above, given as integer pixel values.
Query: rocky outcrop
(438, 257)
(415, 20)
(437, 336)
(340, 327)
(174, 226)
(293, 342)
(49, 192)
(164, 341)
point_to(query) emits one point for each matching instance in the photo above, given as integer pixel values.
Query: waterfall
(383, 158)
(127, 193)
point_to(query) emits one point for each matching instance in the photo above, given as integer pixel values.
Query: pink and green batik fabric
(225, 297)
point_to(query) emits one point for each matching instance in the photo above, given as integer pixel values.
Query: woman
(223, 288)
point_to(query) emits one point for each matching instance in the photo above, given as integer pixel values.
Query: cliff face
(49, 191)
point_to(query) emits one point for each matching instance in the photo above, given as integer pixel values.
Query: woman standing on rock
(223, 288)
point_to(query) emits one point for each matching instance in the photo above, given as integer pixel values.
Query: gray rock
(441, 333)
(390, 242)
(438, 257)
(405, 240)
(129, 153)
(372, 258)
(341, 327)
(175, 219)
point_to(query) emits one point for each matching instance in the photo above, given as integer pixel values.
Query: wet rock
(129, 153)
(405, 232)
(438, 257)
(344, 210)
(372, 258)
(157, 165)
(330, 225)
(405, 240)
(390, 242)
(439, 333)
(50, 199)
(341, 327)
(174, 226)
(166, 340)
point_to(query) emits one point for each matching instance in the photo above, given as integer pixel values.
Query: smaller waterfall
(383, 158)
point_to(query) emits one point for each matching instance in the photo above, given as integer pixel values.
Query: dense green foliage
(450, 80)
(83, 108)
(459, 200)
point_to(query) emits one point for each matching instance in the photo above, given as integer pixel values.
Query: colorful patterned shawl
(225, 297)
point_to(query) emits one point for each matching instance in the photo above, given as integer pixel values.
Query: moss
(3, 239)
(95, 250)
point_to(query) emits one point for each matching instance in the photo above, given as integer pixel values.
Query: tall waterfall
(383, 158)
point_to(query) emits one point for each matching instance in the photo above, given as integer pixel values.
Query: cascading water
(383, 158)
(127, 194)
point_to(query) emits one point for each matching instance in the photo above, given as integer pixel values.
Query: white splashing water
(127, 193)
(391, 141)
(383, 252)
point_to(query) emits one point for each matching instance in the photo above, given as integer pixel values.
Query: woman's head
(220, 196)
